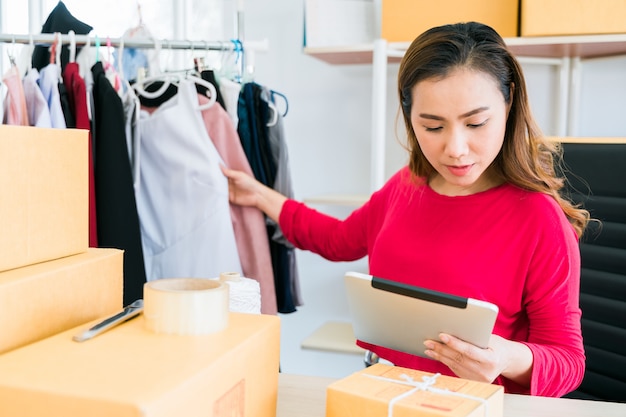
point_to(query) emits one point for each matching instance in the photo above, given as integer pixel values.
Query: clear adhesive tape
(186, 306)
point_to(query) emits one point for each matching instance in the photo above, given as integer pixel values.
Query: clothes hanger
(53, 48)
(273, 95)
(166, 78)
(58, 51)
(55, 54)
(172, 78)
(274, 118)
(97, 48)
(72, 35)
(11, 53)
(110, 70)
(31, 45)
(211, 92)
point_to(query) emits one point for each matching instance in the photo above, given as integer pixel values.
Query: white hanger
(72, 46)
(139, 85)
(57, 59)
(31, 45)
(59, 47)
(169, 79)
(274, 110)
(120, 58)
(211, 93)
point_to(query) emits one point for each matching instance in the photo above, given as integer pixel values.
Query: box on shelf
(338, 23)
(369, 392)
(130, 371)
(44, 182)
(43, 299)
(567, 17)
(404, 20)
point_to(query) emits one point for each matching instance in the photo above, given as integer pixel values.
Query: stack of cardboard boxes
(50, 280)
(53, 286)
(403, 20)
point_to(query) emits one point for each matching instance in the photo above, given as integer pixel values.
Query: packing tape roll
(186, 306)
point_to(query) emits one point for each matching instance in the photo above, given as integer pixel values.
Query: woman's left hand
(469, 361)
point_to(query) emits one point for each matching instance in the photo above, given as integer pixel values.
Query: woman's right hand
(245, 190)
(242, 188)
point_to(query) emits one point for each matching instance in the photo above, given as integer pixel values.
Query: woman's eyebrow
(473, 112)
(464, 115)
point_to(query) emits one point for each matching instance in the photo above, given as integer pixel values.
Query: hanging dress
(49, 84)
(254, 113)
(16, 112)
(38, 111)
(77, 96)
(183, 196)
(283, 184)
(248, 222)
(117, 219)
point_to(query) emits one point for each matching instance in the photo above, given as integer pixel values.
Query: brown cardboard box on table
(131, 371)
(44, 184)
(43, 299)
(404, 20)
(369, 393)
(567, 17)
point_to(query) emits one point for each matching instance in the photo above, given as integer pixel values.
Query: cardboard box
(404, 20)
(338, 23)
(44, 183)
(41, 300)
(572, 17)
(369, 392)
(130, 371)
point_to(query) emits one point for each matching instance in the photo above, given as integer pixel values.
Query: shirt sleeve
(332, 238)
(342, 240)
(551, 299)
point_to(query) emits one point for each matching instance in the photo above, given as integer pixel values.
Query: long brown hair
(527, 159)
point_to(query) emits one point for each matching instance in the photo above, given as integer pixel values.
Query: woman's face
(459, 122)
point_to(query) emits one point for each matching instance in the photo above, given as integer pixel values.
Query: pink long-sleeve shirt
(508, 246)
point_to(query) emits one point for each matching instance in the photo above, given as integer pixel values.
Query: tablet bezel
(401, 316)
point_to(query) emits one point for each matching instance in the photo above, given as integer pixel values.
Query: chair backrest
(596, 173)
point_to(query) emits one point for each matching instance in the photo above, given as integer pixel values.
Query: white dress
(182, 199)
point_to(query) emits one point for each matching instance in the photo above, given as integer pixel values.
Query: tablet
(400, 316)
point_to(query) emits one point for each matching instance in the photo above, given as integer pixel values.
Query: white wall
(328, 132)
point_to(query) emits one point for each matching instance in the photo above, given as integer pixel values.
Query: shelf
(333, 336)
(343, 55)
(582, 46)
(354, 200)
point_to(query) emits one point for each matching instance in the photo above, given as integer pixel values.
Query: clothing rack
(45, 39)
(246, 49)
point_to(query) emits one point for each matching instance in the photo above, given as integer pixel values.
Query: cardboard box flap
(139, 372)
(43, 299)
(44, 181)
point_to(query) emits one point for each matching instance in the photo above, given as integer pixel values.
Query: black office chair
(597, 180)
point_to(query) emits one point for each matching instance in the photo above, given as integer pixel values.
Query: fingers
(449, 350)
(231, 174)
(461, 357)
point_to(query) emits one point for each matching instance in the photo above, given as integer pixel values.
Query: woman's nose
(456, 144)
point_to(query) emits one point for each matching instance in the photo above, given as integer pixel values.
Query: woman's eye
(475, 125)
(432, 129)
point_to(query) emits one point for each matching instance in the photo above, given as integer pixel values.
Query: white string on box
(425, 385)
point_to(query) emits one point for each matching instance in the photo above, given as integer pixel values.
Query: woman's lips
(459, 170)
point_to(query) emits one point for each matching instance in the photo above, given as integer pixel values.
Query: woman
(476, 213)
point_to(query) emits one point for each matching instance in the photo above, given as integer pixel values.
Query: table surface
(305, 396)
